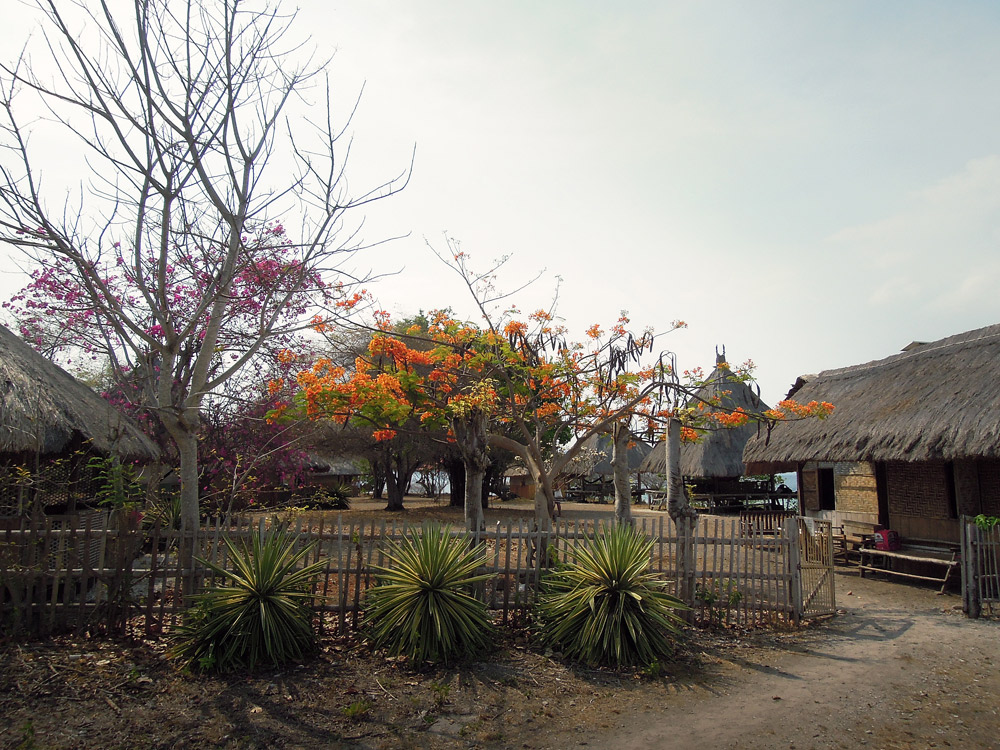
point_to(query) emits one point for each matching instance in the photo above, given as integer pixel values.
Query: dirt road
(899, 668)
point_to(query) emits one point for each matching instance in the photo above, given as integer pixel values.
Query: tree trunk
(619, 464)
(683, 515)
(677, 500)
(456, 482)
(472, 440)
(545, 502)
(186, 441)
(474, 518)
(394, 491)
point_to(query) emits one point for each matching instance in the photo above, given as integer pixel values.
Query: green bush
(326, 498)
(605, 607)
(422, 605)
(263, 616)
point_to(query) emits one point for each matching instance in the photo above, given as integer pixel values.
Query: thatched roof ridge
(934, 401)
(719, 453)
(43, 408)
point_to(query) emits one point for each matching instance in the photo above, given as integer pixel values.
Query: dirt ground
(900, 667)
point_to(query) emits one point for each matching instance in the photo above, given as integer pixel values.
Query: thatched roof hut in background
(913, 442)
(594, 459)
(44, 410)
(933, 401)
(719, 453)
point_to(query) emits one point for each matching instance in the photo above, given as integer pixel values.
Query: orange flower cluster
(381, 435)
(818, 409)
(731, 419)
(349, 303)
(515, 328)
(689, 435)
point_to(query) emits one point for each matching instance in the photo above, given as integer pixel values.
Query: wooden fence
(106, 571)
(980, 560)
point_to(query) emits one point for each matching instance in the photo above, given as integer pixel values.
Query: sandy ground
(899, 668)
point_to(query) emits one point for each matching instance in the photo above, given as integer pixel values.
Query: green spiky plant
(264, 615)
(604, 606)
(422, 605)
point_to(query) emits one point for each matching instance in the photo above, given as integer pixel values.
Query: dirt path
(900, 668)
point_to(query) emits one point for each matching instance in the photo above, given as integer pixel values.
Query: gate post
(971, 604)
(791, 529)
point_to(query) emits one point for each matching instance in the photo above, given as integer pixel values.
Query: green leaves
(605, 607)
(263, 616)
(423, 605)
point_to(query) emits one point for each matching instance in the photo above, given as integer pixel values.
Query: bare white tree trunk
(683, 515)
(619, 464)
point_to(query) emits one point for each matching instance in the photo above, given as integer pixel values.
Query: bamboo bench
(757, 522)
(880, 561)
(850, 537)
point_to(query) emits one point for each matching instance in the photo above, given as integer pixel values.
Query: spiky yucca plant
(422, 605)
(263, 616)
(605, 606)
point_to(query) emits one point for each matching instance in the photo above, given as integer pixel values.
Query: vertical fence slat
(745, 573)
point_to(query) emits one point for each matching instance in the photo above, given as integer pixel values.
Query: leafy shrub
(263, 616)
(422, 605)
(331, 498)
(163, 512)
(605, 607)
(118, 483)
(986, 522)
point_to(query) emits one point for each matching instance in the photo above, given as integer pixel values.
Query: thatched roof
(934, 401)
(719, 453)
(595, 459)
(44, 409)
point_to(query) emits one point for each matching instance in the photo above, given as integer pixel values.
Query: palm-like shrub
(263, 616)
(422, 605)
(605, 606)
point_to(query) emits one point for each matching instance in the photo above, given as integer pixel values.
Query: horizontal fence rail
(109, 571)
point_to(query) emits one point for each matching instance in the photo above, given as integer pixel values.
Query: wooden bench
(881, 561)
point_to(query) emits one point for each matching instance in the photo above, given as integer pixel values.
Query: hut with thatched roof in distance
(913, 442)
(714, 464)
(588, 475)
(591, 474)
(48, 416)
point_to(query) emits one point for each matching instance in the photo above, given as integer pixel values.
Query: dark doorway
(882, 492)
(827, 493)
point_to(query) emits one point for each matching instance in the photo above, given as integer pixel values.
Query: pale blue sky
(811, 185)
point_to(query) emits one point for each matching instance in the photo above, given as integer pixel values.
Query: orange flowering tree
(516, 383)
(518, 386)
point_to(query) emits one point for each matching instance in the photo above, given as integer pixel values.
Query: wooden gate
(817, 588)
(980, 567)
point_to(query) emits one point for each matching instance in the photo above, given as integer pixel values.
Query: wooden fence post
(971, 604)
(791, 529)
(686, 558)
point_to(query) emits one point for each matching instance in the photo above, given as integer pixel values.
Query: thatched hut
(913, 443)
(715, 462)
(591, 473)
(588, 474)
(46, 413)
